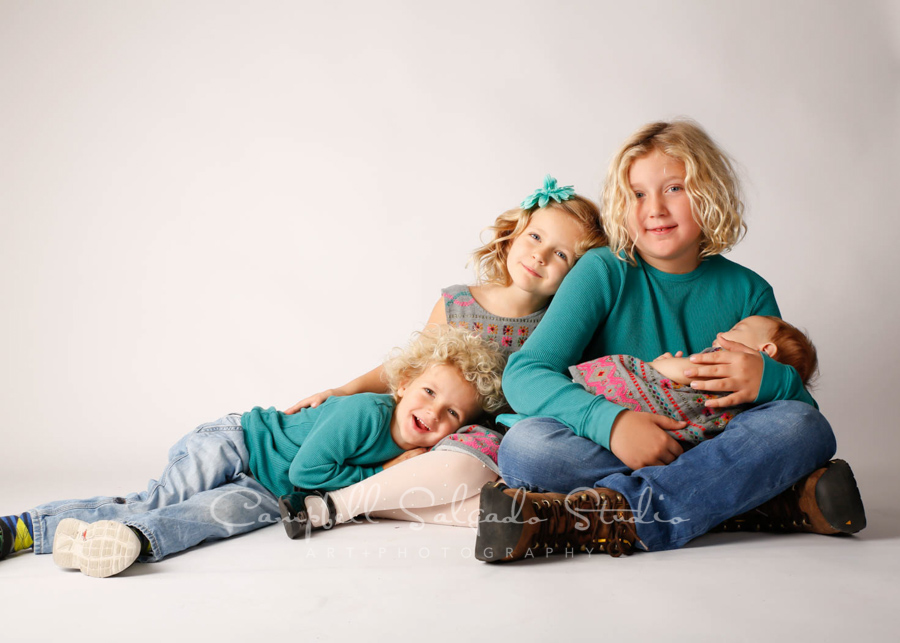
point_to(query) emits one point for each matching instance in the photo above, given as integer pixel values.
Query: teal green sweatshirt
(340, 442)
(608, 307)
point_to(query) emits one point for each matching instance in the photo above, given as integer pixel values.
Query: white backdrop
(210, 205)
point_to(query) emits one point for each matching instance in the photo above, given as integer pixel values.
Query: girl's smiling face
(544, 252)
(432, 406)
(661, 222)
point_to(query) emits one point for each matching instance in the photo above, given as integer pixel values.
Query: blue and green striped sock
(19, 531)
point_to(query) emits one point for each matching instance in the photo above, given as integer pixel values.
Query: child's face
(432, 406)
(661, 223)
(544, 252)
(754, 332)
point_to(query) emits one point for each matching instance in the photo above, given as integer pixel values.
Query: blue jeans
(204, 493)
(761, 452)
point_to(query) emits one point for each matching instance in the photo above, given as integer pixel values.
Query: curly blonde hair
(479, 361)
(490, 259)
(711, 185)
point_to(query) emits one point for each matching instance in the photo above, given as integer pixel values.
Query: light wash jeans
(761, 452)
(204, 493)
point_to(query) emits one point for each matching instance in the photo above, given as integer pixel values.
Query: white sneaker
(99, 549)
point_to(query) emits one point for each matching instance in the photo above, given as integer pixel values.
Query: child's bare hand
(738, 369)
(406, 455)
(668, 355)
(640, 439)
(314, 400)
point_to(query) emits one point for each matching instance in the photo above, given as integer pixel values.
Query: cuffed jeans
(204, 493)
(761, 452)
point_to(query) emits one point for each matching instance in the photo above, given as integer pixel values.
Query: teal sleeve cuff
(781, 382)
(509, 419)
(598, 428)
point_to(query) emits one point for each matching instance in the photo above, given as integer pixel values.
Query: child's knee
(517, 439)
(805, 428)
(817, 431)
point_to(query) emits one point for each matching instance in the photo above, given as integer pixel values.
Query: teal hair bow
(542, 196)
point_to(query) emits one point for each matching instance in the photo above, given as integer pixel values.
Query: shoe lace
(781, 513)
(589, 519)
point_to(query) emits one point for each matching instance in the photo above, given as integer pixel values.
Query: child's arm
(750, 376)
(673, 367)
(355, 430)
(537, 383)
(371, 382)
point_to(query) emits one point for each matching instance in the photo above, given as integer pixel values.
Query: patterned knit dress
(510, 334)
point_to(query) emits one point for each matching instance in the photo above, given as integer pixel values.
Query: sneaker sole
(499, 527)
(99, 549)
(838, 498)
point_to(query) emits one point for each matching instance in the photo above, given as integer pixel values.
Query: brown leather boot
(517, 524)
(827, 501)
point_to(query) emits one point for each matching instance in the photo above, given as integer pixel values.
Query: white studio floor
(390, 581)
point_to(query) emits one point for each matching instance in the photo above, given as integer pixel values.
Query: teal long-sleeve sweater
(340, 442)
(607, 307)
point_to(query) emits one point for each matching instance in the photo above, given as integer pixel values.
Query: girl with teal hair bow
(532, 247)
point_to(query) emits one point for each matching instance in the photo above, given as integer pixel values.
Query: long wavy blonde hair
(711, 185)
(490, 259)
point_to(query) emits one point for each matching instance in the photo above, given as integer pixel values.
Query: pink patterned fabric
(476, 440)
(637, 386)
